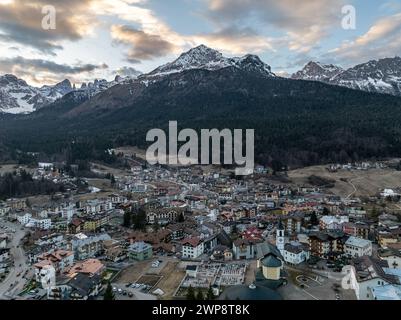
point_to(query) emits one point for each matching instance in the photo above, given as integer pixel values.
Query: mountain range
(382, 76)
(296, 122)
(17, 97)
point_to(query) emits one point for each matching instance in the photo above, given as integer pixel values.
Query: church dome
(271, 262)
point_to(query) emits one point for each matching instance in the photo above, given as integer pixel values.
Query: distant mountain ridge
(380, 76)
(17, 97)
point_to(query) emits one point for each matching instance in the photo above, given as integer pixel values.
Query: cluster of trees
(199, 295)
(135, 219)
(22, 185)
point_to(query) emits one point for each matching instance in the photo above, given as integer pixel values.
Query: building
(367, 274)
(295, 253)
(357, 247)
(3, 241)
(114, 251)
(95, 222)
(46, 276)
(358, 229)
(392, 254)
(280, 240)
(4, 255)
(270, 263)
(39, 223)
(140, 251)
(4, 209)
(293, 223)
(85, 247)
(326, 244)
(89, 267)
(221, 253)
(61, 260)
(192, 248)
(98, 206)
(16, 204)
(387, 292)
(332, 222)
(75, 226)
(30, 221)
(243, 249)
(24, 217)
(83, 286)
(163, 215)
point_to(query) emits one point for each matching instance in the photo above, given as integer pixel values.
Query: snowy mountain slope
(16, 96)
(381, 76)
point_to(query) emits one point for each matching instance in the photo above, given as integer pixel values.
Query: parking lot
(310, 286)
(132, 292)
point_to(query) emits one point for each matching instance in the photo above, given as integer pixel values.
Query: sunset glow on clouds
(96, 38)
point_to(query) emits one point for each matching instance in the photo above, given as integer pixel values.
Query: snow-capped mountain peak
(57, 91)
(200, 57)
(203, 57)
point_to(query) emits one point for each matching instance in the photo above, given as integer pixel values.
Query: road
(14, 283)
(353, 186)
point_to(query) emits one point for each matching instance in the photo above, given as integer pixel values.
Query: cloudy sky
(100, 38)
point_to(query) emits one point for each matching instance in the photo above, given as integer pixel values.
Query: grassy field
(350, 183)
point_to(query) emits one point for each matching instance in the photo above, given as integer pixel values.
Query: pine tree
(127, 219)
(199, 295)
(108, 293)
(326, 211)
(181, 217)
(313, 219)
(191, 293)
(210, 294)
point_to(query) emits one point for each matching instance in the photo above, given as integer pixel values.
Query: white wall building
(332, 222)
(68, 212)
(295, 253)
(192, 248)
(24, 218)
(46, 277)
(40, 223)
(358, 247)
(367, 273)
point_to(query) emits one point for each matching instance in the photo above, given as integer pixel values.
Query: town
(157, 232)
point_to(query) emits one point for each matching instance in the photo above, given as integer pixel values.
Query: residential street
(15, 282)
